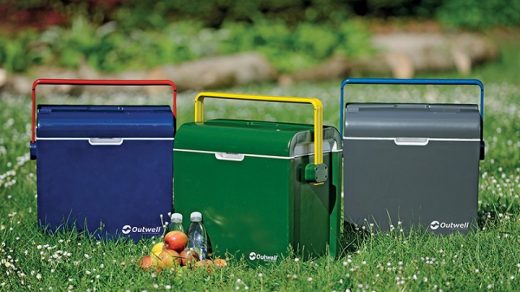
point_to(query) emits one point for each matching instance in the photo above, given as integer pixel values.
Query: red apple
(208, 264)
(189, 257)
(176, 240)
(220, 263)
(176, 257)
(146, 262)
(167, 259)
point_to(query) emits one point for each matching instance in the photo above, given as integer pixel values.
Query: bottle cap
(177, 218)
(196, 217)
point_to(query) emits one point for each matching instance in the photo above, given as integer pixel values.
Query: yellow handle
(316, 103)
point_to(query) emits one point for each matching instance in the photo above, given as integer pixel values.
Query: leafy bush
(299, 47)
(16, 55)
(138, 14)
(156, 14)
(109, 48)
(479, 14)
(213, 13)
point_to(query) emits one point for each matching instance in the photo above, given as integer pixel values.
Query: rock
(399, 54)
(3, 77)
(333, 68)
(471, 49)
(215, 72)
(87, 72)
(23, 83)
(51, 72)
(462, 61)
(406, 53)
(400, 64)
(19, 84)
(285, 80)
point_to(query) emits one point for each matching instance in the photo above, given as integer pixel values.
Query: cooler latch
(33, 150)
(317, 173)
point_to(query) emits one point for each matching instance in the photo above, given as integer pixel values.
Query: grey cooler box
(412, 166)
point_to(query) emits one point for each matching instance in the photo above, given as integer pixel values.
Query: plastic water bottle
(176, 222)
(197, 238)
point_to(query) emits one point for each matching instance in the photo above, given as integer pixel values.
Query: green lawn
(485, 259)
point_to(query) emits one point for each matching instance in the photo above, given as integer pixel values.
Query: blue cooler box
(104, 169)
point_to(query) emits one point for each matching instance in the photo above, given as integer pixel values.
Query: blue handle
(394, 81)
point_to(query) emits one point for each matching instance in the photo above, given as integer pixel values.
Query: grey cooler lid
(390, 120)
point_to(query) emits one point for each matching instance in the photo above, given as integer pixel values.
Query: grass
(485, 259)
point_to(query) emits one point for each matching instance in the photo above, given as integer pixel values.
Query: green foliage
(138, 14)
(157, 14)
(72, 46)
(292, 34)
(132, 14)
(17, 55)
(479, 14)
(110, 48)
(297, 47)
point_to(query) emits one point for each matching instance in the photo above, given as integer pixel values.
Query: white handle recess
(229, 156)
(406, 141)
(105, 141)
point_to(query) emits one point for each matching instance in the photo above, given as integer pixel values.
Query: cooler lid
(87, 121)
(253, 137)
(372, 120)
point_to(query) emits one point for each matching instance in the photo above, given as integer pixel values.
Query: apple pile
(173, 252)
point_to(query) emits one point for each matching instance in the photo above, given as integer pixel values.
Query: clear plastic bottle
(197, 238)
(175, 222)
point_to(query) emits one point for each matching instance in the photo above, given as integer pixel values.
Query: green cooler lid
(252, 137)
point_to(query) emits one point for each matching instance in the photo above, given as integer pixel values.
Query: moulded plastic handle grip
(396, 81)
(316, 170)
(45, 81)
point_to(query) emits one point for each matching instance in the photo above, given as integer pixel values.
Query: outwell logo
(266, 258)
(434, 225)
(144, 230)
(126, 229)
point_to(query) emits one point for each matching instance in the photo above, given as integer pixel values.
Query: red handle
(96, 82)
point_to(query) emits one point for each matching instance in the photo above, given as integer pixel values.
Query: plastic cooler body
(104, 169)
(411, 166)
(251, 192)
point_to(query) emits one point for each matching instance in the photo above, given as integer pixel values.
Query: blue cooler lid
(104, 121)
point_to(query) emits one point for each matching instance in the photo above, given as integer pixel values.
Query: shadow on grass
(352, 238)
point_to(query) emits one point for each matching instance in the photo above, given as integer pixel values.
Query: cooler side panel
(245, 204)
(335, 173)
(130, 184)
(416, 185)
(311, 210)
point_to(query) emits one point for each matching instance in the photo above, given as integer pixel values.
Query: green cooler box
(258, 184)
